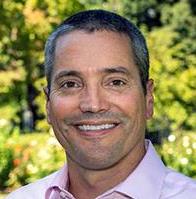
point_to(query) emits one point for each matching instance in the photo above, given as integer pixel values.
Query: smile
(96, 127)
(93, 127)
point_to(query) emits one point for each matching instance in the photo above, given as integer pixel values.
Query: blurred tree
(173, 68)
(26, 25)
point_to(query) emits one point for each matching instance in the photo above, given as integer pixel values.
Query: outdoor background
(28, 149)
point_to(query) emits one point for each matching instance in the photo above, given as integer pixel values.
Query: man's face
(96, 106)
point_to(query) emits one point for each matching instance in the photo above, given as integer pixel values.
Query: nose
(94, 100)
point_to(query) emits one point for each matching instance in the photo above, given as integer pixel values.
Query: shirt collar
(147, 179)
(144, 182)
(60, 181)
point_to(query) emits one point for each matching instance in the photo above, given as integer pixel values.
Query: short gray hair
(97, 20)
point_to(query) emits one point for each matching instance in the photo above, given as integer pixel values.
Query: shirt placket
(59, 193)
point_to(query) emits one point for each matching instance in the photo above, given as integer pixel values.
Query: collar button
(63, 195)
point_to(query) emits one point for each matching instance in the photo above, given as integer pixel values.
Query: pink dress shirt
(150, 180)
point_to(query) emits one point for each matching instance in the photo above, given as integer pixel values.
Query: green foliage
(179, 152)
(33, 156)
(171, 95)
(6, 157)
(173, 69)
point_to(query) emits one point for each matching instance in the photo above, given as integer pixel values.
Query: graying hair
(98, 20)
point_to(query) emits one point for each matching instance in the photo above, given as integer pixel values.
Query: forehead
(95, 35)
(83, 39)
(80, 49)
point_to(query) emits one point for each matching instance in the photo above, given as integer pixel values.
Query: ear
(149, 98)
(47, 96)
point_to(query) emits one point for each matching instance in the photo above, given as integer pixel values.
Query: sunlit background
(28, 149)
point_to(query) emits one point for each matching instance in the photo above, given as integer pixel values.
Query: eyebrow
(67, 73)
(117, 69)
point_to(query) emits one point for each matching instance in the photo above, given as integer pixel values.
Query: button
(63, 194)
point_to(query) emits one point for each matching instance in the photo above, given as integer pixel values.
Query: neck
(88, 184)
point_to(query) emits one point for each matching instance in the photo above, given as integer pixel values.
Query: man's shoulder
(33, 190)
(179, 186)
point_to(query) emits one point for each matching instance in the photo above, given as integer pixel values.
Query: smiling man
(99, 97)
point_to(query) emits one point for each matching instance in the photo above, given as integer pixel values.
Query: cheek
(63, 106)
(130, 103)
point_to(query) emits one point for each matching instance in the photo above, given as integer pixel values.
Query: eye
(70, 84)
(117, 82)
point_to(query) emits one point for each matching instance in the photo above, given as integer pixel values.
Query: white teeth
(95, 127)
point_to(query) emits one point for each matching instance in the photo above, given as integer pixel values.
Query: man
(99, 97)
